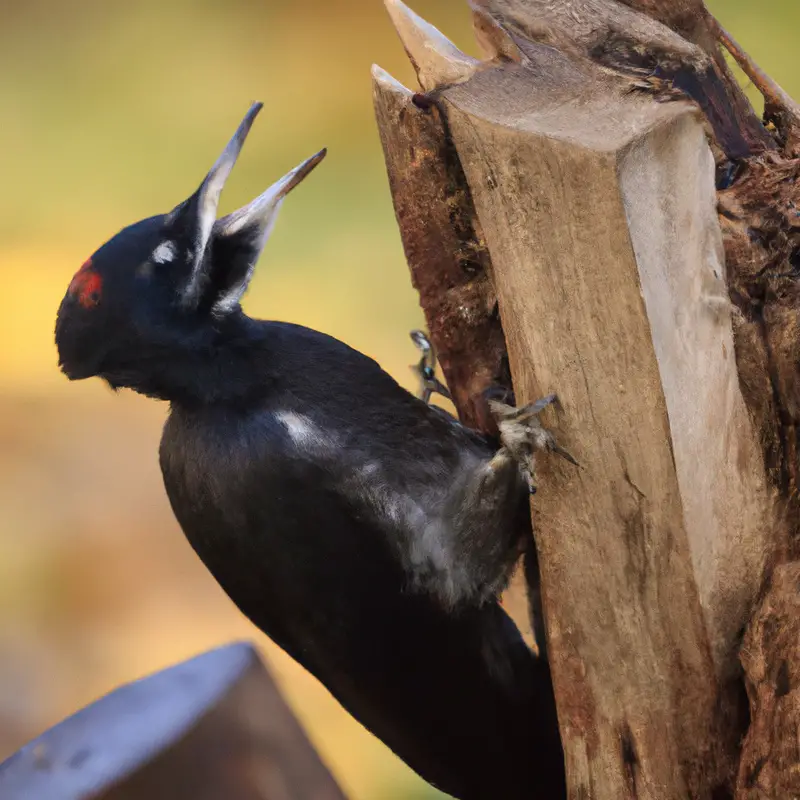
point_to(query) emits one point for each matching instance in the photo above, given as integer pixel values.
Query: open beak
(261, 211)
(291, 179)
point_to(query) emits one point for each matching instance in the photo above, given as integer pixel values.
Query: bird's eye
(145, 270)
(87, 285)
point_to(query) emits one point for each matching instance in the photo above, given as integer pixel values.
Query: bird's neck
(228, 365)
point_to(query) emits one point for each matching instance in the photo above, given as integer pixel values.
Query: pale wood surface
(633, 546)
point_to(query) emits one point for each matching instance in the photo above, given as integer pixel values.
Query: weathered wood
(673, 40)
(598, 210)
(770, 766)
(209, 728)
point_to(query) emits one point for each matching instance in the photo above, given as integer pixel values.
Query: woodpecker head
(169, 278)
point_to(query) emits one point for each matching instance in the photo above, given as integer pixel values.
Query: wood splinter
(771, 91)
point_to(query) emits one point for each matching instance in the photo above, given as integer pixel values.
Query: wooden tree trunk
(560, 215)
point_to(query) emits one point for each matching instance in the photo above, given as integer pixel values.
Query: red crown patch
(87, 285)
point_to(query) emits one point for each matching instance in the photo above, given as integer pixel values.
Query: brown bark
(444, 248)
(209, 728)
(591, 191)
(770, 765)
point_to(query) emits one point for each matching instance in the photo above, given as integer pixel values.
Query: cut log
(599, 214)
(209, 728)
(593, 185)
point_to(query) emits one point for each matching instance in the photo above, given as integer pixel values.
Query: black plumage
(366, 532)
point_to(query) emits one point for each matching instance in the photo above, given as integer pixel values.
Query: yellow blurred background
(113, 111)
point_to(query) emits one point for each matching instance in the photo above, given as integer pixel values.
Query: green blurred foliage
(112, 111)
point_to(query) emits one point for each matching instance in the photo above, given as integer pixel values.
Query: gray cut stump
(210, 728)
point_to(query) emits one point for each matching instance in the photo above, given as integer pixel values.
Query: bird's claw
(523, 436)
(425, 369)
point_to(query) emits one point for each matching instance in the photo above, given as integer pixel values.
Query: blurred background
(113, 111)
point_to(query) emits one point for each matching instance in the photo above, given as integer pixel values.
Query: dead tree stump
(596, 206)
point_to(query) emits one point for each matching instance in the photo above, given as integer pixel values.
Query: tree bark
(445, 248)
(574, 163)
(770, 765)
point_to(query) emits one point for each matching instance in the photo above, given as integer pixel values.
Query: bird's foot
(426, 368)
(523, 436)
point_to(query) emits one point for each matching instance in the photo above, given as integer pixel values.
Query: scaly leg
(426, 368)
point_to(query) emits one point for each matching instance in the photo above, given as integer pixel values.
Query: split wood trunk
(595, 210)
